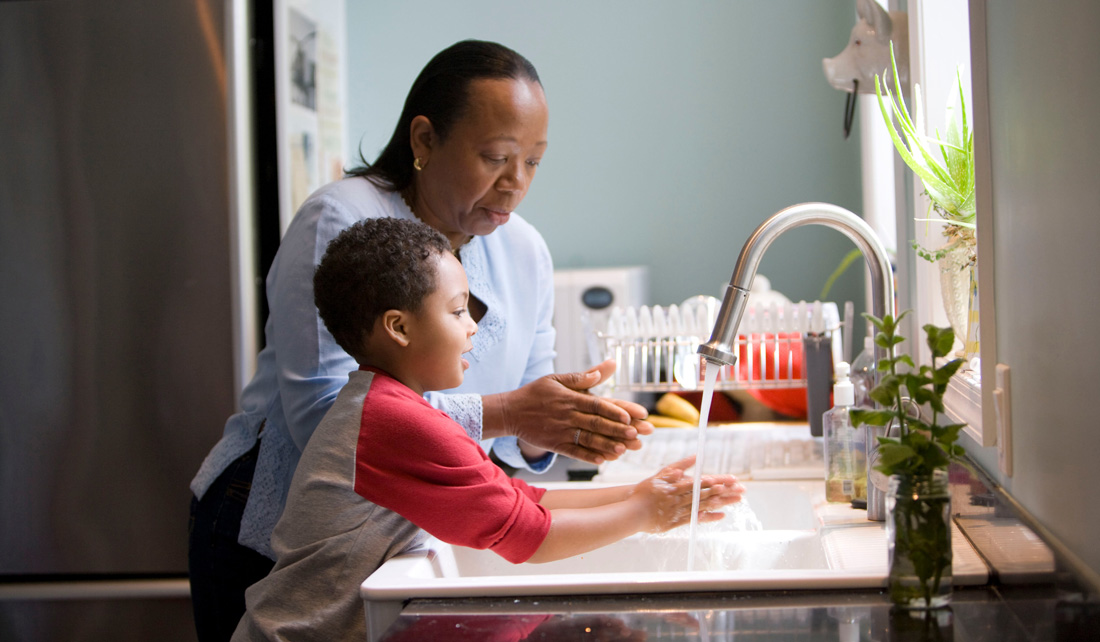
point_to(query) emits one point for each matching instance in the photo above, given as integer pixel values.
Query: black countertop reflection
(989, 614)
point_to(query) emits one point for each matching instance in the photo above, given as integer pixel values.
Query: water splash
(704, 414)
(739, 517)
(717, 545)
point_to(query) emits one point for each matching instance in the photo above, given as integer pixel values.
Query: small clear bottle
(863, 374)
(845, 447)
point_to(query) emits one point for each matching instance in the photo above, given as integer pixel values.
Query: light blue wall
(675, 127)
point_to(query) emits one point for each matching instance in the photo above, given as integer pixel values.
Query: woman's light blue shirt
(301, 369)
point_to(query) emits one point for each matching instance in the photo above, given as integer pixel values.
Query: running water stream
(704, 412)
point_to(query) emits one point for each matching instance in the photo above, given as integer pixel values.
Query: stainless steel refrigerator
(126, 315)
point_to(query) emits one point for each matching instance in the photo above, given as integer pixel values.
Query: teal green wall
(675, 127)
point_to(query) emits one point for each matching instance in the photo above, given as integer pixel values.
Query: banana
(661, 421)
(677, 407)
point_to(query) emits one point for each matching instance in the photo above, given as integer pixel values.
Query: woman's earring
(416, 164)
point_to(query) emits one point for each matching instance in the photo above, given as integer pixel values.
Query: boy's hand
(557, 413)
(668, 496)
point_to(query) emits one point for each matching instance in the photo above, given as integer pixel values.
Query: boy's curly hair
(375, 265)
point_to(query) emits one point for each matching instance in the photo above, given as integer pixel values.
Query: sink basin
(757, 550)
(800, 542)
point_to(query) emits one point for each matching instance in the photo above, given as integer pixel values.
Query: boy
(384, 466)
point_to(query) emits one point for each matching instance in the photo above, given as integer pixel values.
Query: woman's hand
(667, 496)
(557, 413)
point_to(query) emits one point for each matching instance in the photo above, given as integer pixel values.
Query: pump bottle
(863, 374)
(845, 447)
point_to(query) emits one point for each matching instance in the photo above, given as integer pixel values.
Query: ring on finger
(577, 437)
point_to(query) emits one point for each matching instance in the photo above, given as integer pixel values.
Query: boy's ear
(395, 324)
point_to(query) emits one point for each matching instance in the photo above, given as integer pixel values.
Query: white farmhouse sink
(804, 543)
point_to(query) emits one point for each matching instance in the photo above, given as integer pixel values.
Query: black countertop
(988, 614)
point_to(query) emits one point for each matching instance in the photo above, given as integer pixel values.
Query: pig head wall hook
(868, 53)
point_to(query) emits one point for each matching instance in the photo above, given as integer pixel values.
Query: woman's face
(473, 180)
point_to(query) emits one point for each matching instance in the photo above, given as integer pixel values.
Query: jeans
(219, 567)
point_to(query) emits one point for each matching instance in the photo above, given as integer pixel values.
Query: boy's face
(440, 333)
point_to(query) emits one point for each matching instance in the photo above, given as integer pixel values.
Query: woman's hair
(375, 265)
(441, 93)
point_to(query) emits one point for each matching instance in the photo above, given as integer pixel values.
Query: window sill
(963, 403)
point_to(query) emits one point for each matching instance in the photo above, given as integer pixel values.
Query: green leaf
(920, 395)
(872, 417)
(949, 433)
(940, 340)
(877, 322)
(944, 373)
(935, 457)
(889, 326)
(845, 263)
(887, 391)
(917, 440)
(893, 454)
(966, 133)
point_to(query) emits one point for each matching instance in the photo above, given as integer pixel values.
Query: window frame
(958, 33)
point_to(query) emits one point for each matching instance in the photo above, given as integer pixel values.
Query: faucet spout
(722, 347)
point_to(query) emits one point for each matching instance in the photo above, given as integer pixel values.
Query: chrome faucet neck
(722, 347)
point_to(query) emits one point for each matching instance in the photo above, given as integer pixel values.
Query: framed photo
(311, 97)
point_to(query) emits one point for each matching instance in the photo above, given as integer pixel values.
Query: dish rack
(656, 347)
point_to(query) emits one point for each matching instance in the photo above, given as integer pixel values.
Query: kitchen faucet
(722, 347)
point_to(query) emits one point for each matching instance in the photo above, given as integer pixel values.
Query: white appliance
(583, 300)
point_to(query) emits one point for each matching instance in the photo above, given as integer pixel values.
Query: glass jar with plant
(945, 166)
(918, 502)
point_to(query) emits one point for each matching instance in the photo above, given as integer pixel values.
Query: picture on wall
(310, 90)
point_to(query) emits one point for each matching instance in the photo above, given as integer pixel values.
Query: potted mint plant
(915, 455)
(945, 166)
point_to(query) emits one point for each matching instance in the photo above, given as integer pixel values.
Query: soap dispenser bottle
(845, 447)
(863, 374)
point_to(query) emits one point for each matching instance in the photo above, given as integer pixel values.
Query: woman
(461, 159)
